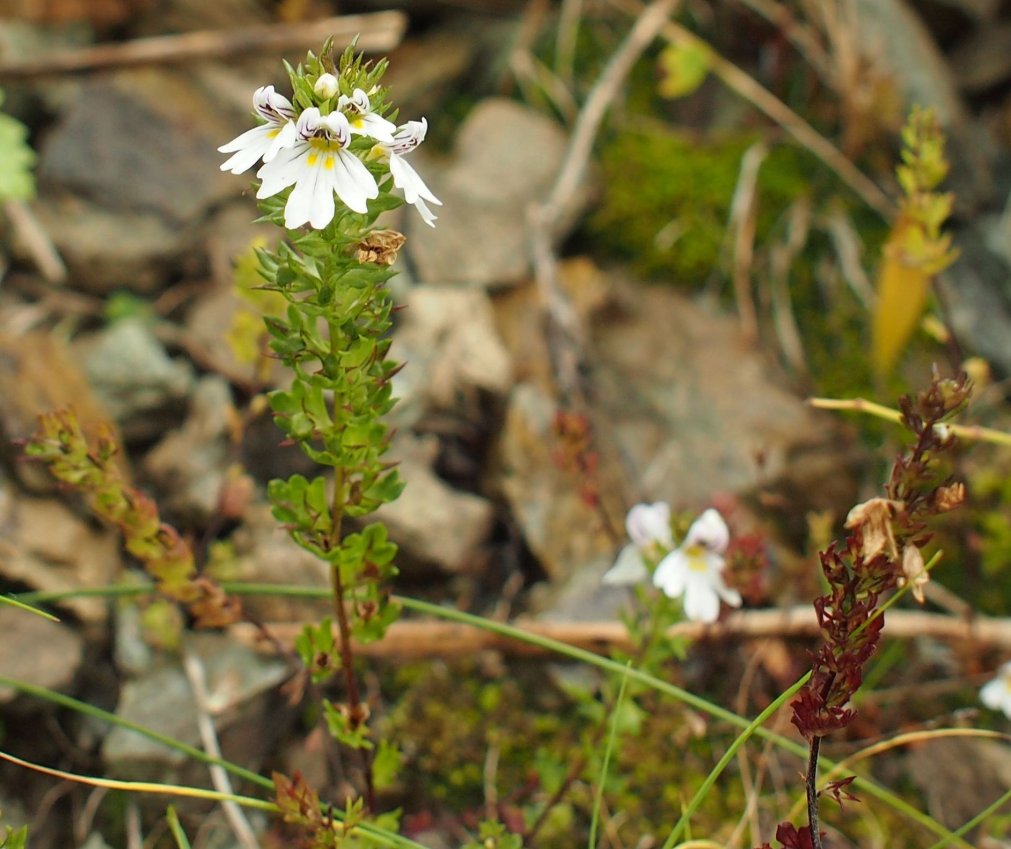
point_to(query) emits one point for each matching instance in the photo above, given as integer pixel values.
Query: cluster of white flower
(310, 151)
(693, 569)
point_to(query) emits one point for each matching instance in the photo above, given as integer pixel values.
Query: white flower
(317, 165)
(648, 526)
(996, 694)
(405, 178)
(694, 569)
(262, 142)
(326, 86)
(362, 120)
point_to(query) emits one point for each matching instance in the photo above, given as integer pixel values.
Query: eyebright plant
(332, 158)
(881, 553)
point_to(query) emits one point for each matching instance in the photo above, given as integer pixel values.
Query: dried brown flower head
(380, 247)
(949, 497)
(874, 520)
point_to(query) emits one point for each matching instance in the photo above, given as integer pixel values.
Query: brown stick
(412, 639)
(377, 32)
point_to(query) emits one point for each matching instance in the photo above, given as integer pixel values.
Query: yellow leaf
(902, 297)
(683, 67)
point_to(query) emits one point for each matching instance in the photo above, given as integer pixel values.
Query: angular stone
(134, 376)
(434, 524)
(143, 141)
(506, 157)
(452, 350)
(683, 409)
(37, 651)
(162, 699)
(47, 547)
(190, 463)
(128, 173)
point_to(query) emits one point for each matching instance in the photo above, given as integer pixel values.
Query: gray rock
(45, 546)
(139, 143)
(37, 651)
(434, 524)
(506, 157)
(134, 376)
(189, 464)
(448, 340)
(128, 173)
(977, 293)
(683, 409)
(162, 699)
(100, 257)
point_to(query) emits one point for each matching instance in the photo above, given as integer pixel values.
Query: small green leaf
(386, 765)
(684, 65)
(16, 160)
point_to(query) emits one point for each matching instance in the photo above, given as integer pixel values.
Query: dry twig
(243, 831)
(378, 32)
(774, 108)
(544, 219)
(410, 639)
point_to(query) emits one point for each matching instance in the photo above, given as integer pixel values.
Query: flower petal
(710, 531)
(285, 137)
(996, 694)
(648, 524)
(671, 574)
(249, 148)
(701, 603)
(406, 179)
(628, 569)
(283, 170)
(353, 181)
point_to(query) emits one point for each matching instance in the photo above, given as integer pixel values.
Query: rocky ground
(119, 294)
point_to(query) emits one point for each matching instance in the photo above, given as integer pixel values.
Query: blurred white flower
(262, 142)
(405, 178)
(996, 694)
(694, 569)
(317, 165)
(648, 527)
(362, 120)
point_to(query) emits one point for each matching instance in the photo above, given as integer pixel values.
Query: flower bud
(326, 86)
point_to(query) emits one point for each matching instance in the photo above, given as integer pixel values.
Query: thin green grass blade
(176, 828)
(21, 605)
(612, 735)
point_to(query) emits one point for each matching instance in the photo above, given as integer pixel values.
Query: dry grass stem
(378, 32)
(416, 638)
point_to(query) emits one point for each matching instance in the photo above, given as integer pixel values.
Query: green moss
(667, 198)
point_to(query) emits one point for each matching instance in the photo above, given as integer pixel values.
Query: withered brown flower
(874, 519)
(914, 572)
(380, 247)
